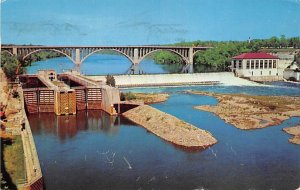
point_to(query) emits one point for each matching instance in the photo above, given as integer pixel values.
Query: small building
(256, 66)
(292, 72)
(48, 74)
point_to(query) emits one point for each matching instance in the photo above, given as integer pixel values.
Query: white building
(292, 73)
(256, 66)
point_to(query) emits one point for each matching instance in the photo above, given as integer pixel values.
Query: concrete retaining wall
(34, 178)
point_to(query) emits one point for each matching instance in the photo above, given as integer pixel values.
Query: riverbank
(170, 128)
(295, 132)
(252, 112)
(224, 78)
(12, 153)
(22, 158)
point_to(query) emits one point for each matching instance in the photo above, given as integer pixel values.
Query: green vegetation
(219, 57)
(127, 96)
(170, 61)
(39, 56)
(13, 161)
(13, 65)
(10, 66)
(110, 80)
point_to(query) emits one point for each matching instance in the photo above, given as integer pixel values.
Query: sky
(145, 22)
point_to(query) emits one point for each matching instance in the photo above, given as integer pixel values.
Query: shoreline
(17, 124)
(295, 134)
(171, 129)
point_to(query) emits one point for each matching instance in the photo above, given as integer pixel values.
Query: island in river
(252, 111)
(170, 128)
(295, 131)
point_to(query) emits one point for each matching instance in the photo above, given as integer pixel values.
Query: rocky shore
(295, 131)
(170, 128)
(250, 111)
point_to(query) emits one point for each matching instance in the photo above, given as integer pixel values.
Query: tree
(10, 66)
(283, 41)
(110, 80)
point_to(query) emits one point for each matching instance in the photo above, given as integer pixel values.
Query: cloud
(46, 27)
(155, 28)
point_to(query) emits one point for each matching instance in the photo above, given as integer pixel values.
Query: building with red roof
(256, 66)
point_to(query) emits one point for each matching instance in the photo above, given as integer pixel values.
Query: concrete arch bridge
(78, 54)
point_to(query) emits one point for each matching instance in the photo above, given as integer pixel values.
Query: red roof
(255, 56)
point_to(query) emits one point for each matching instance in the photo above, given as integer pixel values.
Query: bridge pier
(136, 56)
(15, 51)
(134, 70)
(191, 68)
(188, 68)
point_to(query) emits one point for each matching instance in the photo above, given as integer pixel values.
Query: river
(95, 151)
(97, 64)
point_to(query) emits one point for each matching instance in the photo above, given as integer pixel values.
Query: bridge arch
(99, 50)
(6, 51)
(169, 50)
(55, 50)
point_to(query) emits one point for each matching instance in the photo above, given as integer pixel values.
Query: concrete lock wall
(110, 96)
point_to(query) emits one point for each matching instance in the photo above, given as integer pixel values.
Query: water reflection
(96, 148)
(67, 127)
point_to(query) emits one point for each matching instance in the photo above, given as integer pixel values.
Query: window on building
(270, 64)
(261, 64)
(240, 64)
(266, 64)
(252, 64)
(256, 64)
(248, 64)
(233, 62)
(274, 64)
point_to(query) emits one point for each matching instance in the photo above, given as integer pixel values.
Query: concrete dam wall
(225, 78)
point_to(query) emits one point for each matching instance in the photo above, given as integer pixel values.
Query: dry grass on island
(170, 128)
(295, 131)
(251, 111)
(146, 98)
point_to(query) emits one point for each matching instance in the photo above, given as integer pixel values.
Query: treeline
(171, 62)
(273, 42)
(39, 56)
(219, 57)
(13, 65)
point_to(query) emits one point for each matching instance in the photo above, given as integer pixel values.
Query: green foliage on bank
(219, 57)
(127, 96)
(13, 158)
(13, 65)
(39, 56)
(171, 62)
(10, 66)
